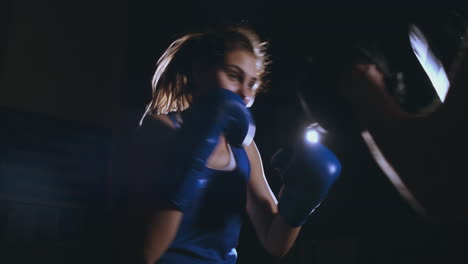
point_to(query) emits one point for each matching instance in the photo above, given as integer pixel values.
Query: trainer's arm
(421, 149)
(276, 236)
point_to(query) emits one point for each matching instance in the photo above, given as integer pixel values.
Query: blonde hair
(171, 85)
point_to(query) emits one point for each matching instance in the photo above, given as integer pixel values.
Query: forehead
(242, 59)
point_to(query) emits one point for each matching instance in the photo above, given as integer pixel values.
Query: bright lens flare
(312, 136)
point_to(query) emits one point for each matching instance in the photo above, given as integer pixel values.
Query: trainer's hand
(362, 80)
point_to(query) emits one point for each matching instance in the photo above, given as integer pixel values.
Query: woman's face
(237, 73)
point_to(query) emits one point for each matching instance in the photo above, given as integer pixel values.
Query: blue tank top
(209, 230)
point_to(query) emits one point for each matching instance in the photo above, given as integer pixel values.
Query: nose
(246, 93)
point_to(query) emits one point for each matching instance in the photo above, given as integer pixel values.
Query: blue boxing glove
(216, 112)
(308, 171)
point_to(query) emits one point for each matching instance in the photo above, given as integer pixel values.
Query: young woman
(198, 169)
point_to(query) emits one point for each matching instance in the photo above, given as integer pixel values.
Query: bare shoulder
(253, 154)
(255, 159)
(257, 175)
(259, 192)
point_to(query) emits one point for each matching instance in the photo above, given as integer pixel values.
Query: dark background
(75, 74)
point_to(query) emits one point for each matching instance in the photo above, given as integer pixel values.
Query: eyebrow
(240, 69)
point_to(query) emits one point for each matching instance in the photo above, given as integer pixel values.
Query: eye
(234, 76)
(252, 84)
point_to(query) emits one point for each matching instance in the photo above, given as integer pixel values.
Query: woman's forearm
(280, 236)
(276, 236)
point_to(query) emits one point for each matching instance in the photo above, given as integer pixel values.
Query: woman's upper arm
(261, 202)
(162, 229)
